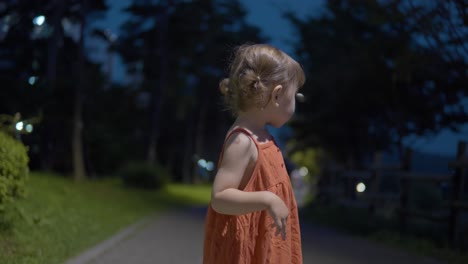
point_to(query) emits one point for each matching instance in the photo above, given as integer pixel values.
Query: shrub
(13, 169)
(144, 175)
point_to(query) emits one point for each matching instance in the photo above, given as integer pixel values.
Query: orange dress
(250, 238)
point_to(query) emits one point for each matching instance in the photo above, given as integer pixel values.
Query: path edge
(99, 249)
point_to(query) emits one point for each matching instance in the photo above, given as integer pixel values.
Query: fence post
(375, 184)
(350, 192)
(457, 185)
(404, 189)
(332, 182)
(326, 183)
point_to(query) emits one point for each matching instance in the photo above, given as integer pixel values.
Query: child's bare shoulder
(240, 145)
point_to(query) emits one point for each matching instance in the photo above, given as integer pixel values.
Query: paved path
(177, 238)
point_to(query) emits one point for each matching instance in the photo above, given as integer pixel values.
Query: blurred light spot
(39, 20)
(303, 171)
(7, 19)
(111, 36)
(19, 126)
(360, 187)
(3, 31)
(35, 65)
(210, 166)
(32, 80)
(71, 29)
(300, 97)
(202, 163)
(29, 128)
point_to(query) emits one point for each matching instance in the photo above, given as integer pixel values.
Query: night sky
(267, 14)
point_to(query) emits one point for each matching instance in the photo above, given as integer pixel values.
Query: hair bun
(224, 86)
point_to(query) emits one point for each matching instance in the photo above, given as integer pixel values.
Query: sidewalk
(177, 238)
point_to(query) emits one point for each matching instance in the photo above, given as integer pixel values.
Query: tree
(441, 24)
(372, 81)
(42, 50)
(200, 37)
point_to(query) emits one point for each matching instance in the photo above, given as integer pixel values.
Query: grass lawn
(60, 218)
(357, 222)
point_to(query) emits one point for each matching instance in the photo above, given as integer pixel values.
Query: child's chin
(277, 125)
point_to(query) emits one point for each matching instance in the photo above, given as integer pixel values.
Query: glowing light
(209, 166)
(32, 80)
(202, 163)
(300, 97)
(19, 126)
(39, 20)
(360, 187)
(29, 128)
(303, 171)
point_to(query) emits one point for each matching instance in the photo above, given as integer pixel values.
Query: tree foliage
(378, 72)
(39, 71)
(373, 79)
(13, 169)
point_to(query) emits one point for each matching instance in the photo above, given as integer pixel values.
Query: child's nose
(300, 97)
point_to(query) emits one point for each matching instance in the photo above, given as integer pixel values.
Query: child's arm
(240, 155)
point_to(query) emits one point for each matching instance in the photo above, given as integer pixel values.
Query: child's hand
(279, 212)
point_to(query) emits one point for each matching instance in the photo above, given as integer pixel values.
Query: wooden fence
(340, 187)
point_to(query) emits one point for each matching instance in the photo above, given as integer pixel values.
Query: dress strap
(242, 130)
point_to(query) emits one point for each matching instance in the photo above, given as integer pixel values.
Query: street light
(202, 163)
(19, 126)
(303, 171)
(32, 80)
(39, 20)
(360, 187)
(29, 128)
(209, 166)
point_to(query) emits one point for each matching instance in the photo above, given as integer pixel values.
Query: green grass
(188, 194)
(357, 222)
(60, 218)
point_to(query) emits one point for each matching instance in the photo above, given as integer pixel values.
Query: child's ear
(276, 93)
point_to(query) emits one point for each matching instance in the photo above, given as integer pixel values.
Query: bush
(144, 175)
(13, 169)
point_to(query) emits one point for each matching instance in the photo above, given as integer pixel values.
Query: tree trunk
(53, 43)
(199, 140)
(47, 159)
(159, 91)
(79, 171)
(188, 153)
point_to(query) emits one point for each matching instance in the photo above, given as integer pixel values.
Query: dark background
(108, 82)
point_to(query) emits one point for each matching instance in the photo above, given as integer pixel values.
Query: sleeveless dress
(250, 238)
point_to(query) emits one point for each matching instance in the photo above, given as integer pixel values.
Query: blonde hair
(254, 71)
